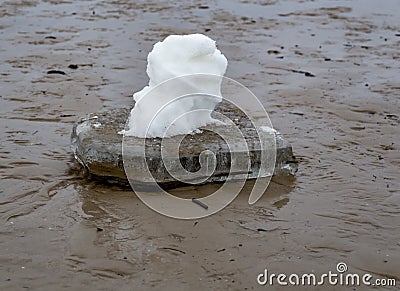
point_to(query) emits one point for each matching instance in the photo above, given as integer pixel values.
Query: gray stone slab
(97, 145)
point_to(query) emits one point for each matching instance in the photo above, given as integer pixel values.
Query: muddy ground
(61, 231)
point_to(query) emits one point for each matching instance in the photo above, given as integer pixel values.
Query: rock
(97, 145)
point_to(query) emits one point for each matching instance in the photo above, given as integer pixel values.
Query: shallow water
(60, 230)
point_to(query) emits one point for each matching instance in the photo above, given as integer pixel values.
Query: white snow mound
(185, 73)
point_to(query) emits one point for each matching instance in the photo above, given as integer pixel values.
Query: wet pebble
(56, 72)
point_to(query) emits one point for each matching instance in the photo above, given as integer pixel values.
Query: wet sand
(60, 230)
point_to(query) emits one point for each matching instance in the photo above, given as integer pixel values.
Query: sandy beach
(327, 73)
